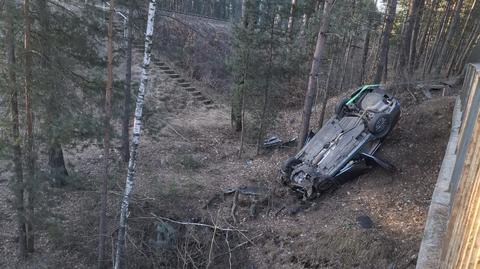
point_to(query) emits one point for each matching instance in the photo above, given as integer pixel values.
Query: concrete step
(190, 89)
(184, 84)
(197, 93)
(174, 75)
(170, 72)
(208, 102)
(210, 106)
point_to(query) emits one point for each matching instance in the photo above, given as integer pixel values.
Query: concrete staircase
(182, 83)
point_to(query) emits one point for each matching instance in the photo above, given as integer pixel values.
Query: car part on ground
(345, 146)
(275, 142)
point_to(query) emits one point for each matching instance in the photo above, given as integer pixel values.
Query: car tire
(340, 107)
(287, 166)
(380, 125)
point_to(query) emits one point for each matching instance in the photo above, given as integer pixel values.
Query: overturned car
(345, 146)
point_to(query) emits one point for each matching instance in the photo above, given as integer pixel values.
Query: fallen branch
(212, 242)
(238, 246)
(197, 224)
(173, 129)
(234, 206)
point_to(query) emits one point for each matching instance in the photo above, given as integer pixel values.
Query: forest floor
(189, 156)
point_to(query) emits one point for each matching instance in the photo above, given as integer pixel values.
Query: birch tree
(293, 9)
(312, 79)
(127, 86)
(137, 125)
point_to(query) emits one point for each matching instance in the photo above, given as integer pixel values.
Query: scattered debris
(165, 236)
(256, 195)
(275, 142)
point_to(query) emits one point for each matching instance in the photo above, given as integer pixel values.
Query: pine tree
(315, 70)
(382, 62)
(18, 184)
(30, 151)
(102, 236)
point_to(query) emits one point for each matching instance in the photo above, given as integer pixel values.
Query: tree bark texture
(127, 89)
(383, 55)
(102, 229)
(315, 69)
(137, 125)
(449, 36)
(30, 163)
(18, 185)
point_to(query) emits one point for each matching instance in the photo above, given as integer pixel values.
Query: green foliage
(259, 63)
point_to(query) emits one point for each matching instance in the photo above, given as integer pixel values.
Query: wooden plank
(473, 227)
(471, 210)
(461, 248)
(466, 130)
(455, 226)
(467, 193)
(470, 78)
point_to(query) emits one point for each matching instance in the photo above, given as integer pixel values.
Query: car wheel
(287, 166)
(340, 107)
(380, 125)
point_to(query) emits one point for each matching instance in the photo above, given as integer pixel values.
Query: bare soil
(189, 157)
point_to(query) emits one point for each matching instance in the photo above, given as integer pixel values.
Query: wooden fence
(461, 245)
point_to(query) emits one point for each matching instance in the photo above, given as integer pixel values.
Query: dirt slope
(188, 157)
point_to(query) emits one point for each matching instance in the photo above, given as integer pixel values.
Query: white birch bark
(291, 17)
(137, 125)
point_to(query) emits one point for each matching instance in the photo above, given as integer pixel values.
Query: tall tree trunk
(18, 186)
(426, 33)
(456, 50)
(413, 42)
(383, 55)
(237, 103)
(120, 253)
(242, 115)
(30, 163)
(325, 95)
(315, 70)
(472, 41)
(345, 62)
(56, 162)
(437, 44)
(450, 33)
(127, 86)
(267, 86)
(366, 45)
(102, 230)
(410, 22)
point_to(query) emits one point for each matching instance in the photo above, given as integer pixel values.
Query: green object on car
(359, 92)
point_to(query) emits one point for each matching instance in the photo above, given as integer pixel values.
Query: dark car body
(346, 144)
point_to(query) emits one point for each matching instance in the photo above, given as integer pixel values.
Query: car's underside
(345, 146)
